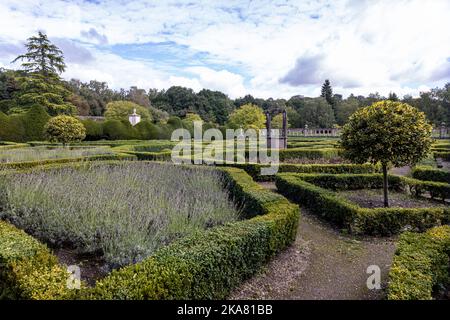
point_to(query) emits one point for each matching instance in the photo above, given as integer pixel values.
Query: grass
(45, 153)
(125, 212)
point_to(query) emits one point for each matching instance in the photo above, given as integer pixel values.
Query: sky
(264, 48)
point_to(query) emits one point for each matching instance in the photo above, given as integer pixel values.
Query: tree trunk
(385, 186)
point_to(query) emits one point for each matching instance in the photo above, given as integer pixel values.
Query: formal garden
(103, 209)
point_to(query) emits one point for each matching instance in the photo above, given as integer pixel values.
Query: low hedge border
(420, 265)
(309, 153)
(254, 169)
(31, 164)
(210, 263)
(28, 270)
(442, 155)
(429, 173)
(300, 188)
(12, 145)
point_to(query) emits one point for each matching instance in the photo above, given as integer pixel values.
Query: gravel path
(322, 264)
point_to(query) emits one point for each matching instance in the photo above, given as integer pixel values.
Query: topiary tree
(94, 129)
(387, 132)
(64, 129)
(248, 116)
(34, 121)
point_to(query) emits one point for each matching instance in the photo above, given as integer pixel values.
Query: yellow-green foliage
(420, 264)
(64, 129)
(246, 117)
(388, 132)
(206, 265)
(120, 110)
(28, 270)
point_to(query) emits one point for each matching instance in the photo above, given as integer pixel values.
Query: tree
(293, 117)
(64, 129)
(50, 94)
(120, 110)
(246, 117)
(327, 92)
(42, 56)
(138, 96)
(345, 109)
(316, 113)
(393, 96)
(159, 116)
(387, 132)
(41, 83)
(277, 122)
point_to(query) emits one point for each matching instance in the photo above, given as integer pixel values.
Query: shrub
(115, 130)
(442, 155)
(64, 129)
(208, 265)
(428, 173)
(94, 129)
(38, 201)
(345, 214)
(254, 169)
(175, 123)
(120, 110)
(420, 264)
(351, 181)
(28, 270)
(12, 128)
(298, 153)
(34, 122)
(147, 130)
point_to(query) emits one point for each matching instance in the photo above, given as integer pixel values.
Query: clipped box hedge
(302, 189)
(254, 169)
(420, 265)
(209, 264)
(309, 153)
(31, 164)
(28, 270)
(429, 173)
(206, 265)
(444, 155)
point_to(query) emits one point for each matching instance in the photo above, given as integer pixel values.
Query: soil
(92, 267)
(373, 198)
(323, 263)
(401, 171)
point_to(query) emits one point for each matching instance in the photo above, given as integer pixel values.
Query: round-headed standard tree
(64, 129)
(389, 133)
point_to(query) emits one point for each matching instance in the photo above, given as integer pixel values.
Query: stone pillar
(268, 129)
(284, 133)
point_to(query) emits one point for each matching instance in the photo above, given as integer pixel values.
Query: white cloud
(365, 46)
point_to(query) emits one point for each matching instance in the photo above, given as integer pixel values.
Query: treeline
(91, 99)
(38, 88)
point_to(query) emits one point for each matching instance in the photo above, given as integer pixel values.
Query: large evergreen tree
(42, 57)
(327, 92)
(41, 83)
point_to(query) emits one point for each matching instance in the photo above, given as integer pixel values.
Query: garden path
(323, 263)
